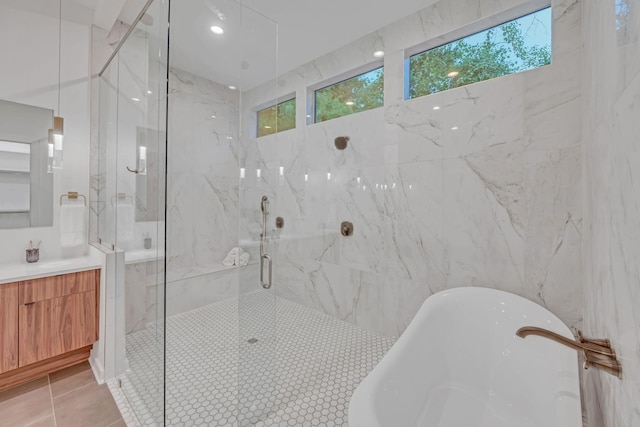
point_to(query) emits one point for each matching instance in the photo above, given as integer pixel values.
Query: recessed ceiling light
(454, 128)
(378, 53)
(453, 74)
(217, 30)
(232, 87)
(149, 92)
(213, 117)
(349, 103)
(135, 99)
(436, 108)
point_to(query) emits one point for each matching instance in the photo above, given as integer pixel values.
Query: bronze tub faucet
(596, 352)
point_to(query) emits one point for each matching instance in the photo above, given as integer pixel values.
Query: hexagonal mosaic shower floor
(257, 360)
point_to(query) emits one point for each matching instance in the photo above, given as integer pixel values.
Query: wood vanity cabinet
(47, 324)
(8, 327)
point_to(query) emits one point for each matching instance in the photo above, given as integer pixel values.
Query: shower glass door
(220, 336)
(258, 365)
(132, 126)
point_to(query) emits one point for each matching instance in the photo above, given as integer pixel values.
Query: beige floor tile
(89, 406)
(25, 403)
(70, 379)
(45, 422)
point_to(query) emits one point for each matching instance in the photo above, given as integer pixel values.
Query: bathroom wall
(29, 75)
(611, 250)
(202, 174)
(495, 203)
(202, 190)
(202, 200)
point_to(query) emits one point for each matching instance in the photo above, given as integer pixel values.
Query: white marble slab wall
(202, 179)
(202, 175)
(145, 279)
(611, 247)
(202, 203)
(494, 203)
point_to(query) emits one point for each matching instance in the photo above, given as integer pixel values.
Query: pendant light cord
(59, 51)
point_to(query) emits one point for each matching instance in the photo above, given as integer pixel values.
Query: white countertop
(24, 271)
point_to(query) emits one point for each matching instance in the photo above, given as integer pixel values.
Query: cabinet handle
(30, 303)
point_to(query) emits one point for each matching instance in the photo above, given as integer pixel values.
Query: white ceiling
(309, 29)
(306, 30)
(80, 11)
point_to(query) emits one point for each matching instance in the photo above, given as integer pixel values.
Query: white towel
(125, 214)
(72, 225)
(244, 258)
(236, 256)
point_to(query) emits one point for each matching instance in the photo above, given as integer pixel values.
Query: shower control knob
(279, 223)
(346, 228)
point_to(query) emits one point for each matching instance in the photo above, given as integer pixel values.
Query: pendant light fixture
(56, 135)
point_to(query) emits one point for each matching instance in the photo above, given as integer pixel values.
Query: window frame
(473, 28)
(274, 103)
(355, 72)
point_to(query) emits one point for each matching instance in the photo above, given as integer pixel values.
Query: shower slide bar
(264, 257)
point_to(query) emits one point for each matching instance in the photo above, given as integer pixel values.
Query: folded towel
(235, 252)
(125, 214)
(244, 258)
(72, 225)
(235, 257)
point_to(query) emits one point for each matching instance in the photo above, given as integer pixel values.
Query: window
(277, 118)
(517, 45)
(360, 93)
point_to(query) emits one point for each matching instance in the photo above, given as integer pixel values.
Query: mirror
(26, 178)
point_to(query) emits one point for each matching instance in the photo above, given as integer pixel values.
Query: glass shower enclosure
(187, 203)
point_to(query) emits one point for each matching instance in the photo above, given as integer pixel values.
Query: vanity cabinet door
(8, 327)
(55, 326)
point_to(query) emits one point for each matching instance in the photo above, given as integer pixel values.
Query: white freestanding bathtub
(460, 364)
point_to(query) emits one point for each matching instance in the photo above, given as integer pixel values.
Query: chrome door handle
(264, 284)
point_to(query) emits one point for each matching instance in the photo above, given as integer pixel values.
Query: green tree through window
(277, 118)
(359, 93)
(515, 46)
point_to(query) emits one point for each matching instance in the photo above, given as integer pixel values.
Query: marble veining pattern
(612, 205)
(202, 200)
(483, 191)
(496, 202)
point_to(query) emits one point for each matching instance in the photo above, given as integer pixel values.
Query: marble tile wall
(611, 107)
(197, 289)
(202, 204)
(202, 175)
(495, 203)
(202, 178)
